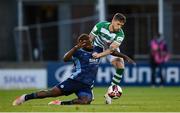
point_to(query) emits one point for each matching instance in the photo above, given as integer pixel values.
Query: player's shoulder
(82, 51)
(120, 32)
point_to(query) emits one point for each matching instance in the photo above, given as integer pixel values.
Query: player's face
(88, 44)
(116, 25)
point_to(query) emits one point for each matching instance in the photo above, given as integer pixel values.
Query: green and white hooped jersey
(103, 37)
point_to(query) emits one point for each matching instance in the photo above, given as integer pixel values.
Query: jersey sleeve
(96, 29)
(76, 54)
(119, 37)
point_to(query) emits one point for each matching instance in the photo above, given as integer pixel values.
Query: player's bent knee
(85, 100)
(118, 63)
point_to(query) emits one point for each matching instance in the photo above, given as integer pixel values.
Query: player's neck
(89, 50)
(111, 28)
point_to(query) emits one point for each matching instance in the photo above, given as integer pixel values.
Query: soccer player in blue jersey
(81, 80)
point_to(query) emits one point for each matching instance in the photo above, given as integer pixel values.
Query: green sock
(117, 77)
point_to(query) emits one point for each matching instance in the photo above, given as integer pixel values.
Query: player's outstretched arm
(125, 57)
(70, 53)
(108, 51)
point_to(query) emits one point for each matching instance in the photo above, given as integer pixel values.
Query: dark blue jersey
(85, 67)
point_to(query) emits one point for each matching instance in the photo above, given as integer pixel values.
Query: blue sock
(30, 96)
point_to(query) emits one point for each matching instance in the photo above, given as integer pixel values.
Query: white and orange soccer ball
(114, 91)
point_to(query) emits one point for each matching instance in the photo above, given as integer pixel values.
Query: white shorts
(110, 58)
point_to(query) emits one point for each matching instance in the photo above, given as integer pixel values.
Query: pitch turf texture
(144, 99)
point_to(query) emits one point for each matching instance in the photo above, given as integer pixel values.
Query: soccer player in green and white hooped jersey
(109, 36)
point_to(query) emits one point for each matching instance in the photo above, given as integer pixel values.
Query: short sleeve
(96, 29)
(76, 54)
(119, 37)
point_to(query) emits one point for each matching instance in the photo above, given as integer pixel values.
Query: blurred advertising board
(23, 78)
(139, 75)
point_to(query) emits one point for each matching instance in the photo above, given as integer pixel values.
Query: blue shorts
(71, 86)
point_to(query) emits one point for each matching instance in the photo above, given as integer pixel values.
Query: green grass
(166, 99)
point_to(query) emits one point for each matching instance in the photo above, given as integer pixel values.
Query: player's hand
(81, 44)
(95, 55)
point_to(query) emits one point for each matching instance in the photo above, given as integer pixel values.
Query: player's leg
(118, 63)
(80, 100)
(84, 95)
(54, 92)
(153, 73)
(84, 99)
(161, 74)
(63, 88)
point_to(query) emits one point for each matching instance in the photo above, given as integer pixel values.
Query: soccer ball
(114, 91)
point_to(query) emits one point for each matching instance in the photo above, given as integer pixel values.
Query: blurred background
(35, 34)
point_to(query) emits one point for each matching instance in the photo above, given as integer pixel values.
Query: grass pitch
(136, 99)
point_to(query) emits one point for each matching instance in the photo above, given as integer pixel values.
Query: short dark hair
(120, 17)
(83, 37)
